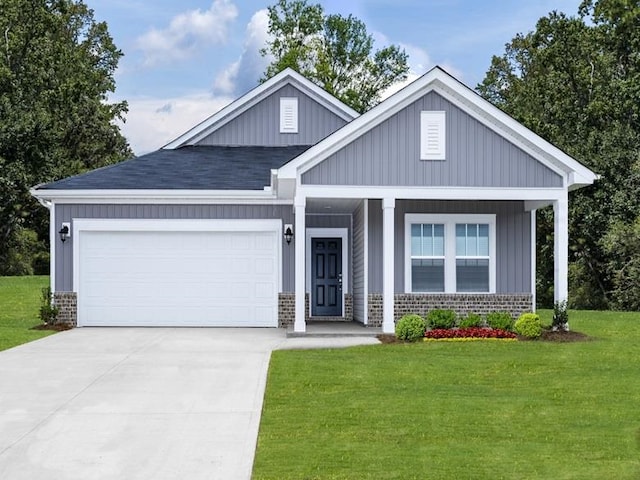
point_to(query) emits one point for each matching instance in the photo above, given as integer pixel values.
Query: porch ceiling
(332, 205)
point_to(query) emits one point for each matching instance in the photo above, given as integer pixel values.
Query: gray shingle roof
(189, 168)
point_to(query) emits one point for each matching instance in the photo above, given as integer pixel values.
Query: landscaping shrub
(528, 325)
(501, 320)
(470, 321)
(471, 332)
(560, 319)
(441, 319)
(48, 311)
(410, 328)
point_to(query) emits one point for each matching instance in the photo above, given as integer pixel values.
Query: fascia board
(158, 196)
(251, 98)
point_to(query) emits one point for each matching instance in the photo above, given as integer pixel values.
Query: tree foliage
(333, 51)
(57, 67)
(575, 81)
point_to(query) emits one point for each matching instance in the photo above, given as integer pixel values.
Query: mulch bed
(56, 328)
(547, 336)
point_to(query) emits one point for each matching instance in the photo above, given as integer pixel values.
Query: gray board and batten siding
(67, 212)
(260, 124)
(389, 154)
(513, 239)
(357, 262)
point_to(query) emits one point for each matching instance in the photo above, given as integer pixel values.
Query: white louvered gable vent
(288, 115)
(432, 136)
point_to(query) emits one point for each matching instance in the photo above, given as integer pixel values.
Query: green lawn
(472, 410)
(19, 306)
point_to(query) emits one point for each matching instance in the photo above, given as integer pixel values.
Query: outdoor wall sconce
(65, 232)
(288, 233)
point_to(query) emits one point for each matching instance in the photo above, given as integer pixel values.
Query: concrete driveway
(120, 403)
(135, 403)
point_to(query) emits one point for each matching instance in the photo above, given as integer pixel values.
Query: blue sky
(184, 60)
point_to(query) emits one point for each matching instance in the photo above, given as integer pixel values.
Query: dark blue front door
(326, 277)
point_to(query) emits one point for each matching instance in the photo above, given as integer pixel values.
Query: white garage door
(177, 278)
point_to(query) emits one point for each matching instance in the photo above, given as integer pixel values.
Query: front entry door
(326, 277)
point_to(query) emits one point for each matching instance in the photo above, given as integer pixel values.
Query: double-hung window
(450, 253)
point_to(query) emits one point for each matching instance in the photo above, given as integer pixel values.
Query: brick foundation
(461, 303)
(287, 309)
(67, 304)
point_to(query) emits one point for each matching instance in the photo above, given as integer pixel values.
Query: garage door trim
(170, 225)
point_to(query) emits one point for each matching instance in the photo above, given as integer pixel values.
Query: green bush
(48, 311)
(560, 315)
(528, 325)
(410, 328)
(441, 319)
(501, 320)
(470, 321)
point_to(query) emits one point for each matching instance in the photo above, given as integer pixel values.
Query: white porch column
(561, 247)
(388, 264)
(300, 262)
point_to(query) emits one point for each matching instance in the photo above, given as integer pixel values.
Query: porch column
(388, 264)
(561, 247)
(300, 262)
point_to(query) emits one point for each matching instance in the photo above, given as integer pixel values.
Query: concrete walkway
(127, 403)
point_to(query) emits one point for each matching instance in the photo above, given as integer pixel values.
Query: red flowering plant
(471, 332)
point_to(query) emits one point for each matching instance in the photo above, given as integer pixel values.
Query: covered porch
(377, 264)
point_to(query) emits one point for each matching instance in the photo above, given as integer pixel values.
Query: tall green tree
(57, 67)
(574, 81)
(333, 51)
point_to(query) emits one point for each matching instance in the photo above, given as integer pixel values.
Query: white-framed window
(288, 115)
(432, 135)
(450, 253)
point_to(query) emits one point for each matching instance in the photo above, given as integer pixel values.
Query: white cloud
(187, 32)
(243, 74)
(154, 122)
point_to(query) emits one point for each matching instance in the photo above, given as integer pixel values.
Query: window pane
(427, 275)
(416, 240)
(472, 275)
(461, 236)
(438, 240)
(483, 239)
(427, 239)
(472, 240)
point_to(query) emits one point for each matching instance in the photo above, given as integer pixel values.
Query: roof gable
(235, 109)
(466, 99)
(389, 154)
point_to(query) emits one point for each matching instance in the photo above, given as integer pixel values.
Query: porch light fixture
(64, 232)
(288, 233)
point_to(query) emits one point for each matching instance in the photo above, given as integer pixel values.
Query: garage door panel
(196, 278)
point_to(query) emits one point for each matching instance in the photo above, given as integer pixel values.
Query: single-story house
(287, 206)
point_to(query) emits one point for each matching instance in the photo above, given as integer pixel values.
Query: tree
(575, 83)
(57, 67)
(333, 51)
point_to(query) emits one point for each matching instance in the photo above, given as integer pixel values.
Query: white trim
(433, 135)
(300, 325)
(533, 259)
(388, 264)
(365, 280)
(561, 249)
(160, 196)
(156, 225)
(251, 98)
(342, 233)
(472, 103)
(449, 220)
(52, 247)
(431, 193)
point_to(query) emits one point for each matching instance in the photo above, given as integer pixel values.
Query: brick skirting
(287, 309)
(67, 304)
(461, 303)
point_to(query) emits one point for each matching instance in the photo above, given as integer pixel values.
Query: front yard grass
(470, 410)
(19, 307)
